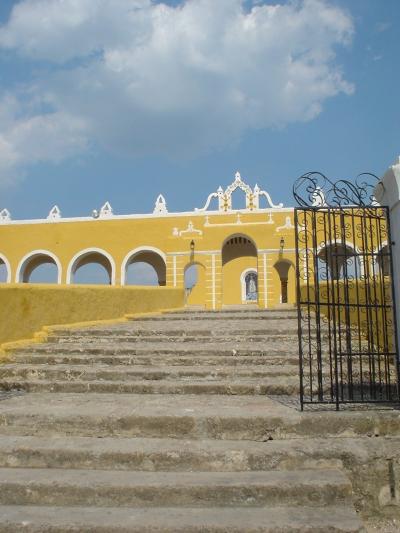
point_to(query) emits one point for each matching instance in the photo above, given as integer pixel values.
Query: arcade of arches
(225, 256)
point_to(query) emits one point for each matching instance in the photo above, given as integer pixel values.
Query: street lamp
(282, 244)
(192, 245)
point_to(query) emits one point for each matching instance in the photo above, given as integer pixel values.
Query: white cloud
(26, 139)
(140, 77)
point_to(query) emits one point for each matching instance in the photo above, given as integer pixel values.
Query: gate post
(387, 192)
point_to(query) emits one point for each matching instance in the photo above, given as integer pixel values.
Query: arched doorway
(284, 281)
(195, 284)
(239, 255)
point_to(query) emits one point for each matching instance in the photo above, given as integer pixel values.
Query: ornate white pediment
(54, 213)
(288, 225)
(252, 196)
(160, 207)
(188, 232)
(106, 211)
(5, 215)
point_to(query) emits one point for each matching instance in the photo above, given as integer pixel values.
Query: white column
(387, 192)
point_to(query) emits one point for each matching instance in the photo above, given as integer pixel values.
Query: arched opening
(191, 276)
(39, 266)
(92, 267)
(141, 273)
(144, 267)
(383, 260)
(239, 254)
(238, 199)
(195, 284)
(284, 268)
(44, 273)
(338, 261)
(5, 271)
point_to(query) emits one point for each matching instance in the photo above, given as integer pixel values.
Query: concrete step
(286, 385)
(26, 486)
(227, 311)
(161, 360)
(176, 455)
(165, 348)
(291, 519)
(224, 314)
(205, 323)
(259, 417)
(183, 336)
(122, 373)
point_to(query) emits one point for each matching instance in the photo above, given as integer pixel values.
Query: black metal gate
(346, 311)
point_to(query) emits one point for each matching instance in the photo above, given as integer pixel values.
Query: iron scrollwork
(314, 189)
(348, 346)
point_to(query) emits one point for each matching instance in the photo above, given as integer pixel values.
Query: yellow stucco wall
(165, 237)
(225, 242)
(26, 309)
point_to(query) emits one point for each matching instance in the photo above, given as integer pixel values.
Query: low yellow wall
(26, 309)
(358, 296)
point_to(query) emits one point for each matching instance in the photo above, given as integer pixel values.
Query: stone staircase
(184, 422)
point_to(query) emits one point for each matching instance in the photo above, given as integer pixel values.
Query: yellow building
(240, 255)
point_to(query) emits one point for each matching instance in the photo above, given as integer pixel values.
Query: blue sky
(122, 100)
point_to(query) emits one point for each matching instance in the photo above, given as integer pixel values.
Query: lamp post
(192, 244)
(282, 244)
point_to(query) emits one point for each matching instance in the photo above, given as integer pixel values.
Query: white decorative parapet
(387, 193)
(5, 215)
(252, 196)
(54, 213)
(160, 207)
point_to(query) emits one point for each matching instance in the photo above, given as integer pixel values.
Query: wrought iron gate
(346, 311)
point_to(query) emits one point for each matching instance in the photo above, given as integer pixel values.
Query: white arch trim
(4, 260)
(71, 267)
(24, 261)
(243, 281)
(130, 255)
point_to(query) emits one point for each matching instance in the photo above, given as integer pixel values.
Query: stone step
(286, 385)
(37, 486)
(291, 519)
(188, 520)
(183, 336)
(259, 418)
(176, 321)
(165, 348)
(176, 455)
(225, 315)
(122, 373)
(228, 311)
(161, 360)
